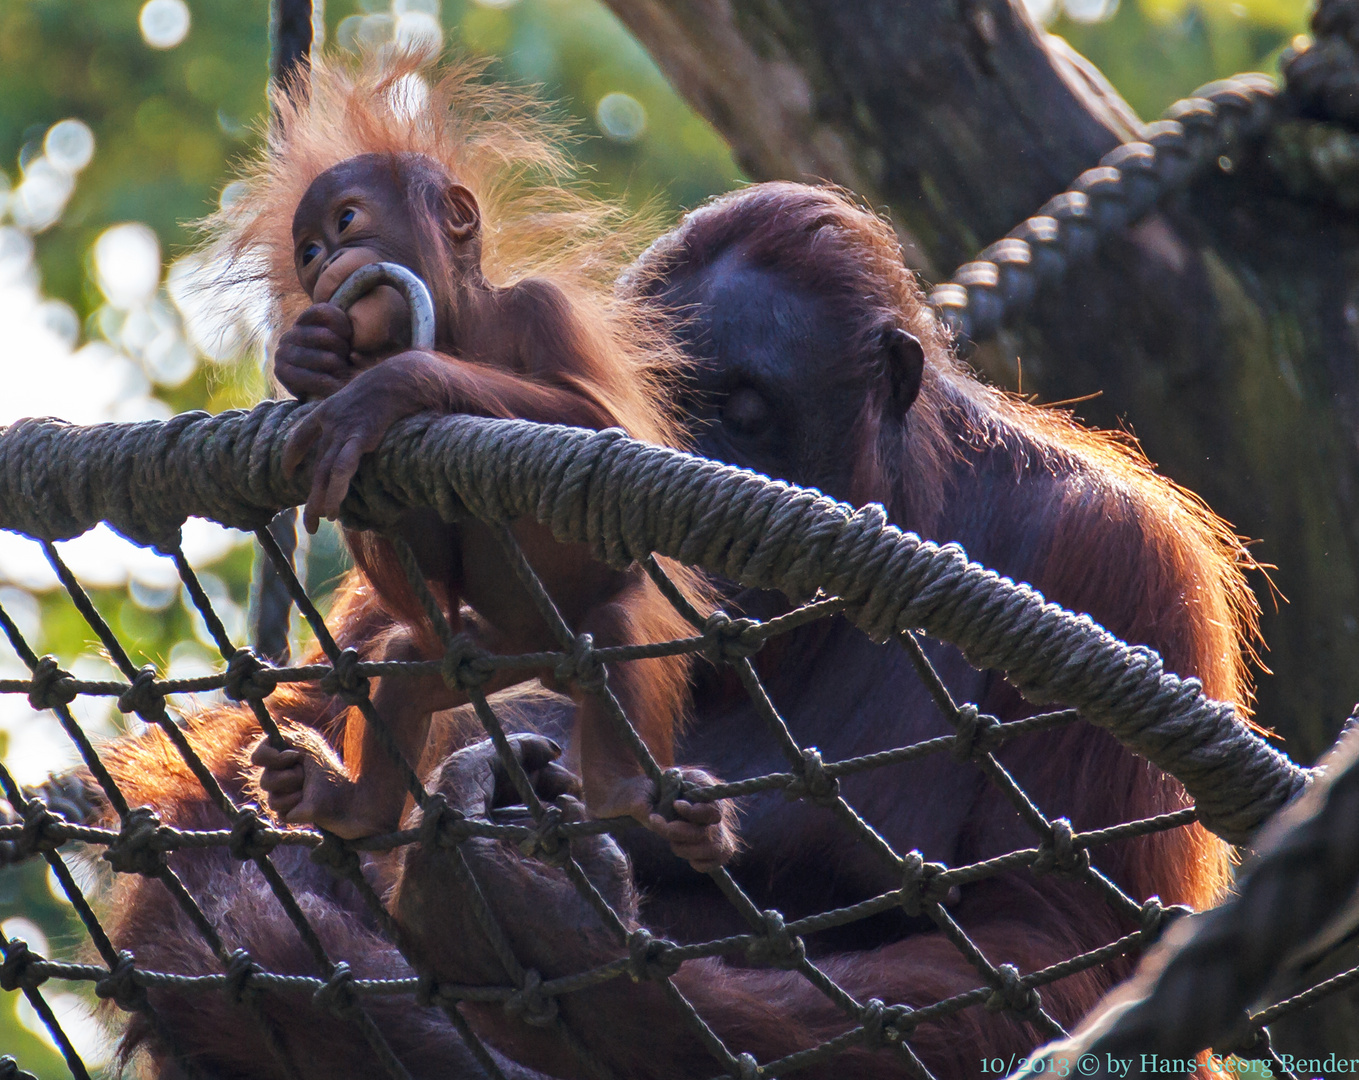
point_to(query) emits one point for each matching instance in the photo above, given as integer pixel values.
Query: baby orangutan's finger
(703, 813)
(321, 499)
(315, 347)
(308, 385)
(342, 471)
(300, 441)
(267, 756)
(277, 782)
(677, 831)
(329, 317)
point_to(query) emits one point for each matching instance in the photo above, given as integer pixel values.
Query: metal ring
(367, 278)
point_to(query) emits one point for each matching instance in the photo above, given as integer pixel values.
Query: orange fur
(1144, 556)
(510, 151)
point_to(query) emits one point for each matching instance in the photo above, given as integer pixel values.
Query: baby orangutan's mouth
(337, 270)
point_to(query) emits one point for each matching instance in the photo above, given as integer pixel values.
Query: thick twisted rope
(1323, 78)
(1294, 899)
(627, 499)
(996, 287)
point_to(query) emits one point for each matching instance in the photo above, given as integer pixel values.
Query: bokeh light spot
(1091, 11)
(16, 254)
(1042, 11)
(407, 7)
(69, 145)
(127, 264)
(231, 193)
(419, 30)
(164, 23)
(39, 200)
(359, 33)
(621, 117)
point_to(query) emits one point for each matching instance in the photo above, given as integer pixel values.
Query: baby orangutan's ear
(462, 216)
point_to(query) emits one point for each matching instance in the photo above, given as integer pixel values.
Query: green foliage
(164, 121)
(1157, 51)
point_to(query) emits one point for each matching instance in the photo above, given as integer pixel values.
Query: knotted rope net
(628, 502)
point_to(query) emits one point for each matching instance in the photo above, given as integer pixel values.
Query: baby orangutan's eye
(310, 252)
(346, 218)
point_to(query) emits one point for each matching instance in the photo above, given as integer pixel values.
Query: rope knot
(728, 640)
(120, 985)
(1155, 917)
(139, 847)
(1060, 853)
(50, 686)
(143, 697)
(531, 1002)
(973, 732)
(17, 969)
(427, 990)
(240, 969)
(776, 947)
(920, 887)
(344, 681)
(747, 1068)
(1248, 1042)
(671, 787)
(871, 1019)
(1011, 993)
(883, 1024)
(465, 664)
(337, 995)
(650, 957)
(336, 856)
(440, 824)
(580, 665)
(250, 838)
(41, 832)
(548, 844)
(248, 678)
(813, 781)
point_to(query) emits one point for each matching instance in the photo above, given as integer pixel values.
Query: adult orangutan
(819, 363)
(804, 326)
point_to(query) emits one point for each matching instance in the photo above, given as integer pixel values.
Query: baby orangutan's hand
(305, 784)
(313, 359)
(703, 833)
(352, 421)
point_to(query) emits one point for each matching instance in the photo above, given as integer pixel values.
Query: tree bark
(1221, 330)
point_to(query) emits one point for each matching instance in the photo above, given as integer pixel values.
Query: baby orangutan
(520, 351)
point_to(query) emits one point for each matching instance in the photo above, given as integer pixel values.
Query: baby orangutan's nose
(338, 266)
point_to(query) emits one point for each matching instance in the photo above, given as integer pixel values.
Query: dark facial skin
(353, 214)
(766, 393)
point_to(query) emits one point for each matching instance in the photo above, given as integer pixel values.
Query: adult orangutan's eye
(346, 218)
(310, 252)
(746, 412)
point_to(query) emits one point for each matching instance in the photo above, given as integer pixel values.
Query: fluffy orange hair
(505, 145)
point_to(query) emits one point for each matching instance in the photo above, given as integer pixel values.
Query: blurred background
(119, 125)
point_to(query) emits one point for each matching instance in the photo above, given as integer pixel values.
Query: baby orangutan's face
(353, 214)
